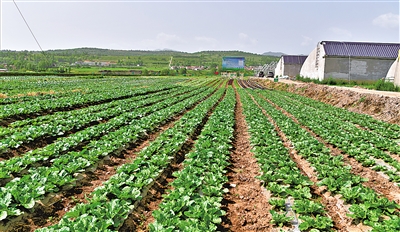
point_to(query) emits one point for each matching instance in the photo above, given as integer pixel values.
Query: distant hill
(112, 52)
(161, 57)
(156, 59)
(167, 52)
(279, 54)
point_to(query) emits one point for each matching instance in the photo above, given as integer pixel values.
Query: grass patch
(386, 86)
(362, 99)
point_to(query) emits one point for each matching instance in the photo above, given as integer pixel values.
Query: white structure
(390, 74)
(397, 74)
(350, 60)
(394, 71)
(289, 65)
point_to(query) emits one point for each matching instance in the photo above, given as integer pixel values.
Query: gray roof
(361, 49)
(293, 59)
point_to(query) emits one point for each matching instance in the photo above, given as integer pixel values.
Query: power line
(28, 26)
(44, 54)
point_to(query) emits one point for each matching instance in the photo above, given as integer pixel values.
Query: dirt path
(246, 203)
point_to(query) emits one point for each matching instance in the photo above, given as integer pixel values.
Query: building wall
(359, 68)
(292, 70)
(337, 68)
(314, 65)
(279, 68)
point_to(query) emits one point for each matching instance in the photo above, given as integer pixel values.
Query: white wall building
(350, 60)
(289, 65)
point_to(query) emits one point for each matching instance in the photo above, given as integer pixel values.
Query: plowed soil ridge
(247, 202)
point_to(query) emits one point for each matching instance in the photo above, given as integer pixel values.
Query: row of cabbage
(110, 204)
(194, 203)
(39, 181)
(371, 208)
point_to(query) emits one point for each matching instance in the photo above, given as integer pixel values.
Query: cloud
(306, 40)
(206, 40)
(388, 20)
(340, 32)
(205, 43)
(246, 40)
(163, 41)
(169, 39)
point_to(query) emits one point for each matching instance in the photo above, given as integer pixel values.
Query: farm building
(289, 65)
(350, 60)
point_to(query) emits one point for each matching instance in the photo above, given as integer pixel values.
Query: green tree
(164, 72)
(182, 71)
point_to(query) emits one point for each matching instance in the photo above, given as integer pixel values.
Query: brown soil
(247, 201)
(381, 105)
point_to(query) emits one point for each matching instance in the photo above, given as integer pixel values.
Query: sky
(292, 27)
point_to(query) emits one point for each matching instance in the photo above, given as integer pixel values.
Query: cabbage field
(189, 154)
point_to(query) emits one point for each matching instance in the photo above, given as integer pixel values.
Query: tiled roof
(361, 49)
(290, 59)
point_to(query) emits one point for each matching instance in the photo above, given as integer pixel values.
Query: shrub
(386, 86)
